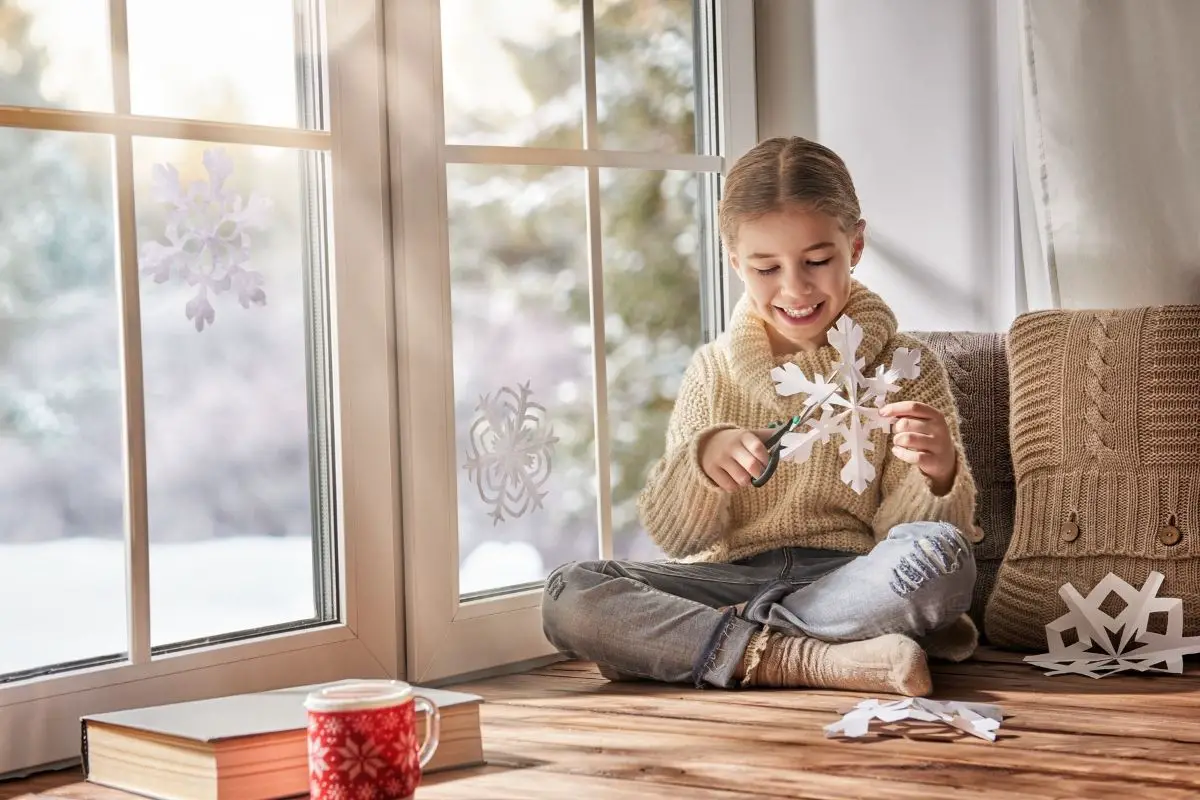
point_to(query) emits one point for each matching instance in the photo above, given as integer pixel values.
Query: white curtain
(1108, 152)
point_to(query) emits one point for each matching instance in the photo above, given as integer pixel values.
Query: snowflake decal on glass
(207, 238)
(509, 454)
(849, 402)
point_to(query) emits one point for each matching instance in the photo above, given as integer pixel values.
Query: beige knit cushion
(1106, 445)
(977, 366)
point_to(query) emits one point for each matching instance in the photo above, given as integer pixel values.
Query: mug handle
(433, 728)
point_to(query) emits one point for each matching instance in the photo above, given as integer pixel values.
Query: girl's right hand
(731, 457)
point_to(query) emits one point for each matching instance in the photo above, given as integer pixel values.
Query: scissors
(776, 441)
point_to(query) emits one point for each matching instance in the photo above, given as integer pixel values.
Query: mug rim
(359, 695)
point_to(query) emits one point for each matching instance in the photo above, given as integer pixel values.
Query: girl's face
(796, 264)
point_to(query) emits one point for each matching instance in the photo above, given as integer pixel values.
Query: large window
(190, 376)
(278, 276)
(559, 264)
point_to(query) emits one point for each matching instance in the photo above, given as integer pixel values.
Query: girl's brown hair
(782, 171)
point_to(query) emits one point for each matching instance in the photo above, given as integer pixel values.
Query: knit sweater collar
(752, 359)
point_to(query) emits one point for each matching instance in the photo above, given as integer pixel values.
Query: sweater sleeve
(682, 509)
(907, 493)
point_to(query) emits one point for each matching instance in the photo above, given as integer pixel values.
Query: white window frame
(39, 717)
(448, 637)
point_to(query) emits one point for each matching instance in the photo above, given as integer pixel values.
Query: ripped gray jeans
(664, 621)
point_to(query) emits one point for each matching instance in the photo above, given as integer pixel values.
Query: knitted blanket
(977, 366)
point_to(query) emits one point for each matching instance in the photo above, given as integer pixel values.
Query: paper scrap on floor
(977, 719)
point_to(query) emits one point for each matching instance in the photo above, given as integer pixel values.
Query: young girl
(800, 582)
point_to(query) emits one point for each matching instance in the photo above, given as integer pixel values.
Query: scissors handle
(776, 441)
(773, 444)
(772, 465)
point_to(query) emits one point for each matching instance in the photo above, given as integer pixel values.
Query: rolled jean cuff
(723, 652)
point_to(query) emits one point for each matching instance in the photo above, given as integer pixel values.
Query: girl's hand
(730, 458)
(921, 436)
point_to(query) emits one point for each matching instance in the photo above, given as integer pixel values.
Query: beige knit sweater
(728, 385)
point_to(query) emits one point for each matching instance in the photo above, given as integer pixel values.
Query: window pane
(54, 53)
(512, 78)
(223, 60)
(646, 75)
(232, 449)
(652, 256)
(523, 377)
(62, 552)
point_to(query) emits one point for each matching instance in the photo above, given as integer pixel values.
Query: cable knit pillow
(977, 366)
(1106, 451)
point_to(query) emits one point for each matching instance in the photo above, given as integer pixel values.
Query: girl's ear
(858, 242)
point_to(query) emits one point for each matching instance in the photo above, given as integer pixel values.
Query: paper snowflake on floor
(977, 719)
(509, 453)
(1105, 644)
(848, 399)
(207, 238)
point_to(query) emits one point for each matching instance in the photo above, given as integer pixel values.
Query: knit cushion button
(1069, 531)
(1169, 535)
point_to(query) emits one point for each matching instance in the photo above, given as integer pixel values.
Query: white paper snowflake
(1131, 645)
(849, 402)
(978, 719)
(207, 237)
(509, 454)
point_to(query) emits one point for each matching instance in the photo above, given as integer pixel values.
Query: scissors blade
(795, 422)
(812, 409)
(775, 442)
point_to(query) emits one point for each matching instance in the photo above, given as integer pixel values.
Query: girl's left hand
(921, 436)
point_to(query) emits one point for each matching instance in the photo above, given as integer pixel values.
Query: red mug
(362, 740)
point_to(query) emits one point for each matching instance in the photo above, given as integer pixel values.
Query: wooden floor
(563, 732)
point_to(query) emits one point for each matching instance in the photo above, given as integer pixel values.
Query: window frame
(447, 636)
(368, 641)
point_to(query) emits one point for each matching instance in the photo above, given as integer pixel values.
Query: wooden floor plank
(773, 707)
(807, 743)
(568, 784)
(563, 731)
(800, 771)
(802, 726)
(37, 784)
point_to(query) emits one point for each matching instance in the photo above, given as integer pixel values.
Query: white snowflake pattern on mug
(390, 721)
(363, 725)
(360, 756)
(318, 757)
(332, 727)
(406, 742)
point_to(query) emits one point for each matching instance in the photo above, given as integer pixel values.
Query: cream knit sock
(955, 642)
(893, 663)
